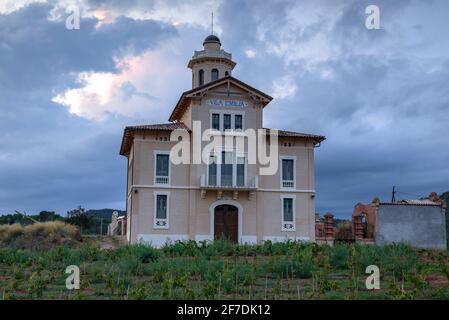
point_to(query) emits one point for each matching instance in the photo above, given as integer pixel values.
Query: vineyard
(221, 270)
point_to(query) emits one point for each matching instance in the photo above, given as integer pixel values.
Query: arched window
(214, 74)
(226, 73)
(201, 77)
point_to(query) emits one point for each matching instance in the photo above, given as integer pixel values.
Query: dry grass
(343, 231)
(38, 234)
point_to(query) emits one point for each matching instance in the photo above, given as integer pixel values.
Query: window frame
(234, 116)
(245, 167)
(156, 153)
(212, 155)
(212, 120)
(222, 163)
(212, 71)
(235, 155)
(221, 114)
(231, 116)
(281, 173)
(289, 226)
(200, 77)
(165, 222)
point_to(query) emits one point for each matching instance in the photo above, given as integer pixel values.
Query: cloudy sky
(380, 96)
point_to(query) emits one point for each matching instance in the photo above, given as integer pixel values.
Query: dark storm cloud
(44, 50)
(49, 158)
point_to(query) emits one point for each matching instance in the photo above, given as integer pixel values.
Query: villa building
(227, 197)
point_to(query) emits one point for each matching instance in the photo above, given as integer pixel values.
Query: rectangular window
(288, 214)
(240, 171)
(226, 122)
(238, 122)
(223, 121)
(216, 121)
(288, 173)
(212, 171)
(288, 210)
(226, 168)
(161, 210)
(162, 169)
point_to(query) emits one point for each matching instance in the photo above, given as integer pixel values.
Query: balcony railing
(161, 180)
(288, 183)
(253, 183)
(212, 53)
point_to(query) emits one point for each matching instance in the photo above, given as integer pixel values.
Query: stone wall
(421, 226)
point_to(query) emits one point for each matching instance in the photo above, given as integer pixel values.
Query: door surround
(239, 213)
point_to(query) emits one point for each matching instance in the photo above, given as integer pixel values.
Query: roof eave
(124, 150)
(128, 136)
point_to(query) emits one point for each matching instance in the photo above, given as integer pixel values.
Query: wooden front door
(226, 223)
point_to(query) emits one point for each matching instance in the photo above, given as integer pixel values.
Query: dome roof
(212, 39)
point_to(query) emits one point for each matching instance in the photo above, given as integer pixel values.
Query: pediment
(231, 88)
(226, 86)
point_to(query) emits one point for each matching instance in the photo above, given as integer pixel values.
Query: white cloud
(326, 73)
(142, 88)
(250, 53)
(284, 88)
(8, 6)
(183, 12)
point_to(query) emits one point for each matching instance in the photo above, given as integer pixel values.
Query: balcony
(250, 187)
(288, 183)
(161, 180)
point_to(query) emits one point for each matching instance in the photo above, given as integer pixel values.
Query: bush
(9, 233)
(142, 253)
(339, 256)
(38, 235)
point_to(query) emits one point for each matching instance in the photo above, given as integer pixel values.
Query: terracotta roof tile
(283, 133)
(161, 126)
(128, 134)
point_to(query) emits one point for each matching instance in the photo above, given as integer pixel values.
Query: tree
(79, 218)
(48, 216)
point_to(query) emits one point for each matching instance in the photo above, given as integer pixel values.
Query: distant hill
(104, 213)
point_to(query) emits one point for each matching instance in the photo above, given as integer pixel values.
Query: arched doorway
(226, 222)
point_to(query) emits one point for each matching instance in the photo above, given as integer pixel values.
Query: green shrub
(220, 248)
(142, 253)
(138, 292)
(36, 285)
(339, 256)
(398, 260)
